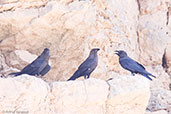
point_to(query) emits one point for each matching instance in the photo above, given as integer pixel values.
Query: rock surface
(157, 112)
(160, 100)
(160, 92)
(72, 28)
(124, 94)
(134, 26)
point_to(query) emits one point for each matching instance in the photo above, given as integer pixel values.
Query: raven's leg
(88, 76)
(133, 73)
(38, 75)
(85, 77)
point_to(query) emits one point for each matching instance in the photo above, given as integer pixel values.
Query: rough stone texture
(152, 30)
(157, 112)
(80, 97)
(124, 94)
(72, 28)
(160, 91)
(160, 100)
(163, 79)
(167, 57)
(168, 47)
(22, 94)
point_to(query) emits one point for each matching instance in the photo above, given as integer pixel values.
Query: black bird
(131, 65)
(88, 66)
(38, 67)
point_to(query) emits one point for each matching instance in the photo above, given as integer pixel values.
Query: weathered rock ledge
(28, 94)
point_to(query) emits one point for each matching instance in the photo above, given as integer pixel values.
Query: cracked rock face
(152, 30)
(23, 93)
(126, 95)
(72, 28)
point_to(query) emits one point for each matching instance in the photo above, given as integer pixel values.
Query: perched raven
(38, 67)
(88, 66)
(131, 65)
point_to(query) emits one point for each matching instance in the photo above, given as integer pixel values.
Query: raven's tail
(145, 75)
(152, 75)
(14, 73)
(71, 78)
(74, 76)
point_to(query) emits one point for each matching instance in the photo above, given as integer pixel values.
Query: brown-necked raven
(88, 66)
(131, 65)
(38, 67)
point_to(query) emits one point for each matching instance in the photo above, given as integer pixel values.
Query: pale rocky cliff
(70, 28)
(122, 95)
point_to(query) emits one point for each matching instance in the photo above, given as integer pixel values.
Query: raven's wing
(35, 67)
(87, 66)
(45, 70)
(131, 65)
(141, 65)
(134, 67)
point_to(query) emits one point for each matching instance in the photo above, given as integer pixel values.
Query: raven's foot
(133, 73)
(85, 77)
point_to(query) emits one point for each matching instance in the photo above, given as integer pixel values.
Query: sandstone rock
(3, 66)
(157, 112)
(167, 58)
(123, 94)
(163, 79)
(152, 30)
(160, 99)
(160, 91)
(80, 97)
(23, 93)
(33, 25)
(25, 55)
(70, 29)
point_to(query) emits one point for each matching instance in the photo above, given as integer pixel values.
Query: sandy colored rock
(157, 112)
(167, 58)
(80, 97)
(152, 30)
(163, 79)
(160, 99)
(160, 91)
(122, 90)
(23, 93)
(92, 96)
(70, 29)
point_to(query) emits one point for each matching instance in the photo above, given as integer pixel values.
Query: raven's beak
(98, 49)
(116, 52)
